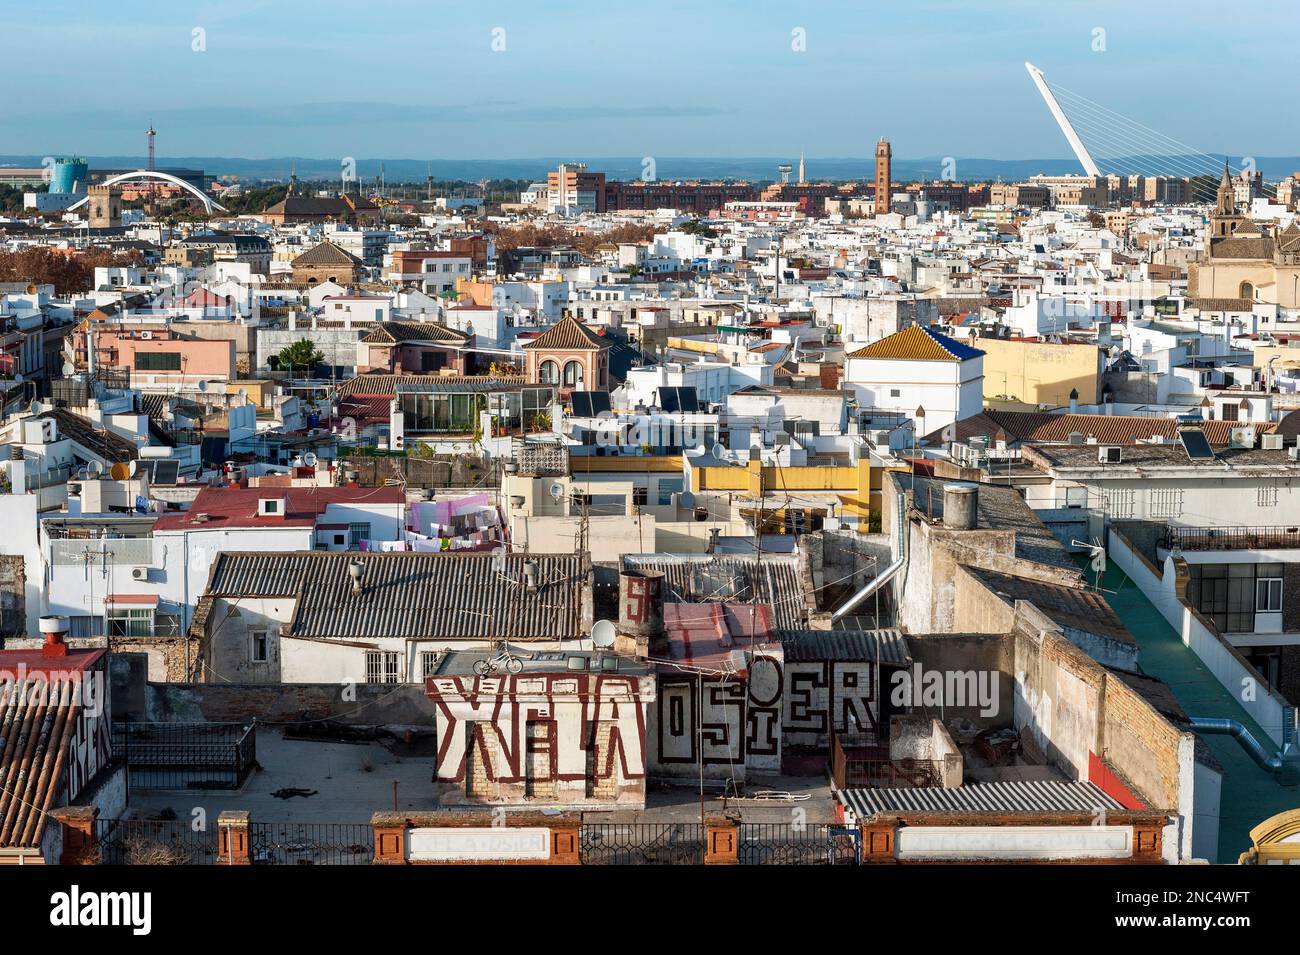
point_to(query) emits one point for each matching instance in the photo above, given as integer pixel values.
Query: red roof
(707, 634)
(228, 507)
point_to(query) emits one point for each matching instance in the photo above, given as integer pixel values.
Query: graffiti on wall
(825, 696)
(539, 728)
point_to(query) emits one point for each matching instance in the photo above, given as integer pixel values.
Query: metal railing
(153, 842)
(642, 843)
(858, 761)
(186, 755)
(783, 843)
(311, 843)
(1231, 538)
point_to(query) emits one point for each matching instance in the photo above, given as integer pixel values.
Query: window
(1228, 593)
(549, 373)
(1228, 412)
(1167, 502)
(1118, 503)
(259, 646)
(1268, 595)
(572, 373)
(158, 361)
(130, 621)
(1076, 497)
(894, 392)
(381, 666)
(640, 495)
(667, 488)
(429, 663)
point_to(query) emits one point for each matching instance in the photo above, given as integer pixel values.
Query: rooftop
(232, 507)
(918, 343)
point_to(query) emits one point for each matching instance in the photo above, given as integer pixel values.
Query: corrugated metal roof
(702, 578)
(888, 647)
(448, 596)
(1029, 797)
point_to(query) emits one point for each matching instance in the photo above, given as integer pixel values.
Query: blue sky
(711, 78)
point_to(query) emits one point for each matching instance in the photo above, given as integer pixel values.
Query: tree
(301, 354)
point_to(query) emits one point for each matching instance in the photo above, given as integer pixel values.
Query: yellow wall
(755, 479)
(1040, 373)
(1282, 353)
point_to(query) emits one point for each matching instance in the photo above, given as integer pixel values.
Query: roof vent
(356, 570)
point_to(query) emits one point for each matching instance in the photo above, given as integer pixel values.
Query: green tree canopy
(301, 354)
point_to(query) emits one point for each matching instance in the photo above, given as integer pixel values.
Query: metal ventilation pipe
(1235, 729)
(356, 570)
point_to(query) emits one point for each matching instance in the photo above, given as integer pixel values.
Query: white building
(918, 368)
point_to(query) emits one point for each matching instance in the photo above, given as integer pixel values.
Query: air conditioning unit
(1109, 454)
(146, 335)
(139, 573)
(1271, 442)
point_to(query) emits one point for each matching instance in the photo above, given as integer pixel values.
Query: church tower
(884, 157)
(1225, 220)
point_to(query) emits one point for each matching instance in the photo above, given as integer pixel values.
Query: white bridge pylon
(208, 202)
(1080, 150)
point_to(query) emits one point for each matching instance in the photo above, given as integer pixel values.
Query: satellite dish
(557, 491)
(602, 634)
(203, 386)
(83, 474)
(36, 407)
(119, 472)
(132, 467)
(687, 499)
(69, 369)
(243, 392)
(717, 450)
(310, 459)
(95, 469)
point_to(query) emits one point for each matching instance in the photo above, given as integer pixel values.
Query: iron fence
(783, 843)
(186, 755)
(1231, 538)
(311, 843)
(642, 843)
(153, 842)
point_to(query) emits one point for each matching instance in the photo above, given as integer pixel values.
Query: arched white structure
(1080, 150)
(208, 202)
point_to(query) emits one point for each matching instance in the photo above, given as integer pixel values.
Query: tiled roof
(393, 333)
(1032, 426)
(327, 254)
(453, 596)
(385, 386)
(917, 343)
(108, 445)
(1241, 248)
(1070, 607)
(568, 334)
(888, 647)
(695, 579)
(1019, 796)
(39, 718)
(1221, 304)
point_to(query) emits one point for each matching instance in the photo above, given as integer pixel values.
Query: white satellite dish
(131, 467)
(310, 459)
(717, 450)
(557, 491)
(69, 369)
(243, 392)
(36, 407)
(602, 633)
(95, 468)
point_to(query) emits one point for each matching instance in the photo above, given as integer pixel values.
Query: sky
(712, 78)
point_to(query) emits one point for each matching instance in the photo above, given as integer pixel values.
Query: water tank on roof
(68, 175)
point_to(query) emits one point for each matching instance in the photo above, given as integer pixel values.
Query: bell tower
(884, 176)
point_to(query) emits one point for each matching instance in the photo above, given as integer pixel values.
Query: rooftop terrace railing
(1231, 538)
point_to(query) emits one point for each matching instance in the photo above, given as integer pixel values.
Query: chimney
(55, 629)
(1074, 401)
(356, 570)
(530, 576)
(959, 506)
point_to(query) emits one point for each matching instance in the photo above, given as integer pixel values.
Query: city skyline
(241, 81)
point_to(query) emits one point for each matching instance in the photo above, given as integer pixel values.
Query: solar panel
(165, 472)
(678, 399)
(1195, 444)
(589, 404)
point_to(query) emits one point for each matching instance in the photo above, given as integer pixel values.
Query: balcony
(1230, 538)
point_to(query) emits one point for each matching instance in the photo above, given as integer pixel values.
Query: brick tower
(883, 176)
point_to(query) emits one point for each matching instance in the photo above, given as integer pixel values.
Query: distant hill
(757, 169)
